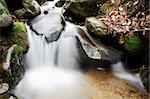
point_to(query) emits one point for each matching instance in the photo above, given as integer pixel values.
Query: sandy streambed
(103, 85)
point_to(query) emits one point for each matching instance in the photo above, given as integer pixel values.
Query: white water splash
(8, 57)
(122, 73)
(52, 69)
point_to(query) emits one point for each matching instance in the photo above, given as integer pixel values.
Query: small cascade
(52, 67)
(58, 53)
(120, 71)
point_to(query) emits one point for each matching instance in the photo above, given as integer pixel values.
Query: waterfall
(51, 67)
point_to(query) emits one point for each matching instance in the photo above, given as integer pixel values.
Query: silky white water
(120, 71)
(52, 69)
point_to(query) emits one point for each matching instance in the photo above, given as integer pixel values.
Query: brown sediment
(103, 85)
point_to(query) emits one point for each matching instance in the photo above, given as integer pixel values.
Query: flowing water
(52, 70)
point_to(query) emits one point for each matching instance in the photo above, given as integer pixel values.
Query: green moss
(17, 49)
(132, 44)
(19, 35)
(19, 26)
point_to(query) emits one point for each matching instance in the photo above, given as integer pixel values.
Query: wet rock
(12, 69)
(144, 73)
(41, 25)
(41, 1)
(93, 53)
(82, 8)
(96, 26)
(3, 88)
(19, 35)
(5, 19)
(30, 9)
(60, 3)
(12, 49)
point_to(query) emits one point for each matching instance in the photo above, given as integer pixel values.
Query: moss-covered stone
(132, 44)
(19, 26)
(82, 8)
(19, 35)
(15, 71)
(105, 7)
(96, 26)
(18, 40)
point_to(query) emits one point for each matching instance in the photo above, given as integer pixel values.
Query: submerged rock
(96, 26)
(5, 19)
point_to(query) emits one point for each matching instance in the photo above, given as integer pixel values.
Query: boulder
(96, 26)
(30, 9)
(49, 24)
(78, 9)
(93, 53)
(5, 19)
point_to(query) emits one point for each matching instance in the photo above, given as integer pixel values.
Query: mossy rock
(105, 7)
(18, 40)
(80, 9)
(132, 44)
(19, 26)
(96, 26)
(14, 73)
(19, 35)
